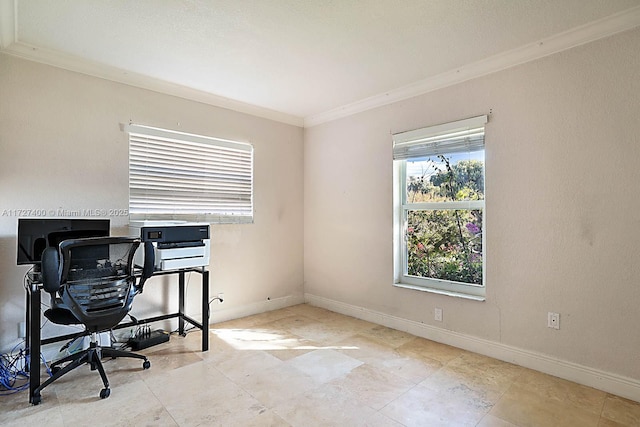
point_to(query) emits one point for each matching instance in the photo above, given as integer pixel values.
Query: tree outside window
(445, 244)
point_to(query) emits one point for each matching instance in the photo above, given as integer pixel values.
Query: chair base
(93, 355)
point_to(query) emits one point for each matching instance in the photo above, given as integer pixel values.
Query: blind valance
(455, 137)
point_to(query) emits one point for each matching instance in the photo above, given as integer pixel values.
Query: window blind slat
(177, 161)
(167, 162)
(187, 151)
(211, 173)
(178, 186)
(141, 155)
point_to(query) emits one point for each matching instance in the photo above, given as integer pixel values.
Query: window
(439, 208)
(175, 175)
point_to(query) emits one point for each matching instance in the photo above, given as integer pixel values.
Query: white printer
(177, 244)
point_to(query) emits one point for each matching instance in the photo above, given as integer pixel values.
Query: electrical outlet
(220, 297)
(437, 314)
(553, 320)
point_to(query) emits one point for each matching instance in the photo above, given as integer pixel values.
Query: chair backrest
(97, 279)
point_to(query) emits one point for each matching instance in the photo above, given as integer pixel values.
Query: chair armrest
(51, 270)
(149, 265)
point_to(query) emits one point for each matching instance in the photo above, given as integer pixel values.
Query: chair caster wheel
(104, 393)
(55, 370)
(35, 400)
(146, 364)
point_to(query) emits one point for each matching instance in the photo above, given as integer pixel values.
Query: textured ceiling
(298, 57)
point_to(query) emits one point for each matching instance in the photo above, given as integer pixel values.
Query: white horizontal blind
(174, 175)
(455, 137)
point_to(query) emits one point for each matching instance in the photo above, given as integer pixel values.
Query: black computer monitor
(34, 235)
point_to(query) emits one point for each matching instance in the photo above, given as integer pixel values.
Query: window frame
(401, 209)
(207, 174)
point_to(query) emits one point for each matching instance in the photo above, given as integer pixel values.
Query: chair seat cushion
(61, 316)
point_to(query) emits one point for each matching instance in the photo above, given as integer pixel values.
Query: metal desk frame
(33, 341)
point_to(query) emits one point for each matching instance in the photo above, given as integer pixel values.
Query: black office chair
(92, 282)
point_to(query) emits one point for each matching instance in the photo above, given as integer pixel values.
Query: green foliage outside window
(446, 244)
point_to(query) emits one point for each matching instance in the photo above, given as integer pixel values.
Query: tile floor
(305, 366)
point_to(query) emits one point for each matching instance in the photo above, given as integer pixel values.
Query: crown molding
(577, 36)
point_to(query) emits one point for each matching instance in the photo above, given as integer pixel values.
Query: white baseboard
(605, 381)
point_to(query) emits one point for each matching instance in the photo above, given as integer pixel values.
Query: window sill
(440, 292)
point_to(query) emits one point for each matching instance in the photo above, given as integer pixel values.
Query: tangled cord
(13, 377)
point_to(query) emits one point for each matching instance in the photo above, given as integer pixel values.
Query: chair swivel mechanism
(92, 282)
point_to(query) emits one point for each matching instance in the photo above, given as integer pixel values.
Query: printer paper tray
(174, 264)
(177, 253)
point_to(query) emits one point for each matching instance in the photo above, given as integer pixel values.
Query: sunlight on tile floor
(305, 366)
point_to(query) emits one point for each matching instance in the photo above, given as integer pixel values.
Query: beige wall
(562, 206)
(61, 147)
